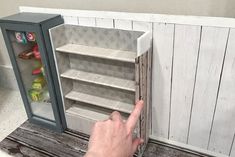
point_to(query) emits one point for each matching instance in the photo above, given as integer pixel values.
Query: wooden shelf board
(99, 79)
(100, 102)
(86, 113)
(125, 56)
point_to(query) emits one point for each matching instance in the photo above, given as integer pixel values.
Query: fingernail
(141, 140)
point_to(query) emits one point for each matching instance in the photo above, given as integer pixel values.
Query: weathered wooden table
(31, 140)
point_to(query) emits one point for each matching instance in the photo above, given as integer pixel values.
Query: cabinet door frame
(51, 60)
(36, 28)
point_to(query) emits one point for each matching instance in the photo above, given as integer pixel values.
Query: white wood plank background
(232, 154)
(104, 23)
(123, 24)
(71, 20)
(155, 18)
(222, 134)
(212, 49)
(161, 83)
(184, 84)
(142, 26)
(87, 21)
(186, 45)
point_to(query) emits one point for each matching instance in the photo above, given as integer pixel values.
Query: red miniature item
(30, 36)
(27, 54)
(36, 52)
(37, 71)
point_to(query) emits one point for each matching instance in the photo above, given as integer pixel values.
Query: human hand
(113, 137)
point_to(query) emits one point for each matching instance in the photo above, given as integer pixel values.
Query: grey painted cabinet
(27, 39)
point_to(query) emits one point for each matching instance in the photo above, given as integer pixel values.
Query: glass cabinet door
(32, 71)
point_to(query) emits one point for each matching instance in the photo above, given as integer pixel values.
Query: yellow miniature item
(35, 95)
(39, 83)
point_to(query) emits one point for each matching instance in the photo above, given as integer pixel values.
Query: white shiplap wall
(193, 84)
(185, 56)
(211, 55)
(161, 78)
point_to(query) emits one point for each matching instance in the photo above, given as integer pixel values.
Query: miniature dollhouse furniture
(72, 76)
(102, 70)
(27, 39)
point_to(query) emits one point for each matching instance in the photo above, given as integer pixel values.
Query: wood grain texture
(137, 93)
(137, 79)
(87, 21)
(212, 49)
(143, 97)
(123, 24)
(142, 92)
(157, 150)
(145, 72)
(74, 144)
(186, 46)
(104, 23)
(161, 72)
(17, 149)
(149, 93)
(223, 129)
(54, 143)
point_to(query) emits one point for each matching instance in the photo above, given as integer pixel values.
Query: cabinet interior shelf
(99, 79)
(86, 113)
(119, 55)
(100, 102)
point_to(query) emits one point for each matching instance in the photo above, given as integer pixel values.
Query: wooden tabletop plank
(35, 141)
(59, 144)
(17, 149)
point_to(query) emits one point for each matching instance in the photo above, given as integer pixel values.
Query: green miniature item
(35, 95)
(39, 83)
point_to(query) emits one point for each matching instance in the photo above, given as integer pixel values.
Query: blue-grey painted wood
(24, 22)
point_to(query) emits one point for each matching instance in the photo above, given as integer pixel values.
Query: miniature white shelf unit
(102, 70)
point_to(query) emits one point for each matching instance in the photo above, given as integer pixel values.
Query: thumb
(136, 142)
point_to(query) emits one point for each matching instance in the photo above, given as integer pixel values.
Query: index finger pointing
(133, 118)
